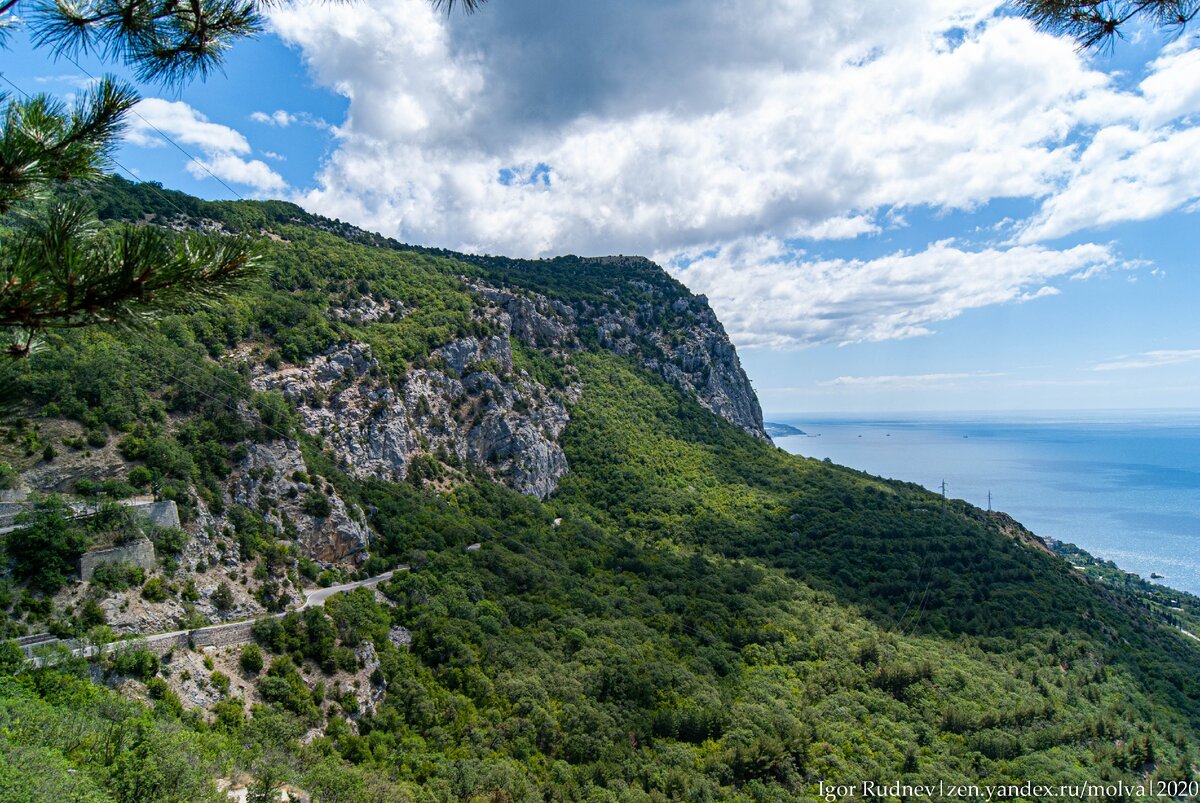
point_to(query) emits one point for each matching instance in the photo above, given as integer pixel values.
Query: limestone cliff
(469, 407)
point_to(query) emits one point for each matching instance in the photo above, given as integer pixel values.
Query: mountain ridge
(619, 588)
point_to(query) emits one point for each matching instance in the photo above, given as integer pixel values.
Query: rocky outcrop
(273, 480)
(685, 344)
(676, 336)
(468, 407)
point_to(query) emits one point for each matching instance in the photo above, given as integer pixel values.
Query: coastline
(1124, 486)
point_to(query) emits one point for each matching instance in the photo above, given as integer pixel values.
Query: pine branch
(42, 142)
(167, 41)
(64, 271)
(468, 6)
(1098, 23)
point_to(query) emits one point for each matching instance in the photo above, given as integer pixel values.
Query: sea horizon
(1122, 484)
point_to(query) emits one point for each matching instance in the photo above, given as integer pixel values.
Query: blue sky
(912, 205)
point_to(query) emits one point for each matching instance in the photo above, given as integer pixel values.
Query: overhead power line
(166, 137)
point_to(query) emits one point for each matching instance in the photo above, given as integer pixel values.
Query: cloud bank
(739, 129)
(771, 297)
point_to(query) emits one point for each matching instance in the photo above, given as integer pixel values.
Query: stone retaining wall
(228, 635)
(224, 635)
(140, 552)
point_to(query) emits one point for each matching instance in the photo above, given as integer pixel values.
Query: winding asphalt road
(319, 595)
(312, 599)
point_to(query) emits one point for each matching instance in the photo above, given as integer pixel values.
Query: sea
(1125, 486)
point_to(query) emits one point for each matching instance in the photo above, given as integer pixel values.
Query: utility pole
(989, 501)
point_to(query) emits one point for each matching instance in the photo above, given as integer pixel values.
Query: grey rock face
(679, 339)
(534, 319)
(469, 406)
(269, 472)
(693, 354)
(470, 410)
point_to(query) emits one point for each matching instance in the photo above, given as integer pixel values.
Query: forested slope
(688, 613)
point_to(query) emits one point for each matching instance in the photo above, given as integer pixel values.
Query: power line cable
(167, 137)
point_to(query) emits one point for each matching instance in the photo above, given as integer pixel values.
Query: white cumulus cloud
(768, 295)
(217, 150)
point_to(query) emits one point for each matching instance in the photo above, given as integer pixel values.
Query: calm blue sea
(1123, 486)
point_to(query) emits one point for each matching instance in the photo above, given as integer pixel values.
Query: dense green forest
(694, 614)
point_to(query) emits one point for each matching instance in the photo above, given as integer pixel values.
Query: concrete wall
(160, 514)
(140, 552)
(223, 635)
(227, 635)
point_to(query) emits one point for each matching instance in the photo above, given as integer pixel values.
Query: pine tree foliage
(1098, 23)
(58, 267)
(62, 270)
(167, 41)
(42, 141)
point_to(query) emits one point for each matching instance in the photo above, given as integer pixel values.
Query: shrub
(155, 590)
(117, 489)
(309, 568)
(230, 716)
(283, 686)
(168, 541)
(118, 575)
(157, 688)
(317, 504)
(8, 477)
(220, 682)
(251, 659)
(138, 663)
(163, 697)
(91, 614)
(222, 597)
(12, 657)
(47, 544)
(140, 477)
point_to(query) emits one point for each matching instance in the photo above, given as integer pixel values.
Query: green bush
(168, 541)
(46, 545)
(118, 575)
(12, 657)
(222, 597)
(155, 590)
(317, 504)
(8, 477)
(140, 476)
(220, 682)
(137, 663)
(251, 659)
